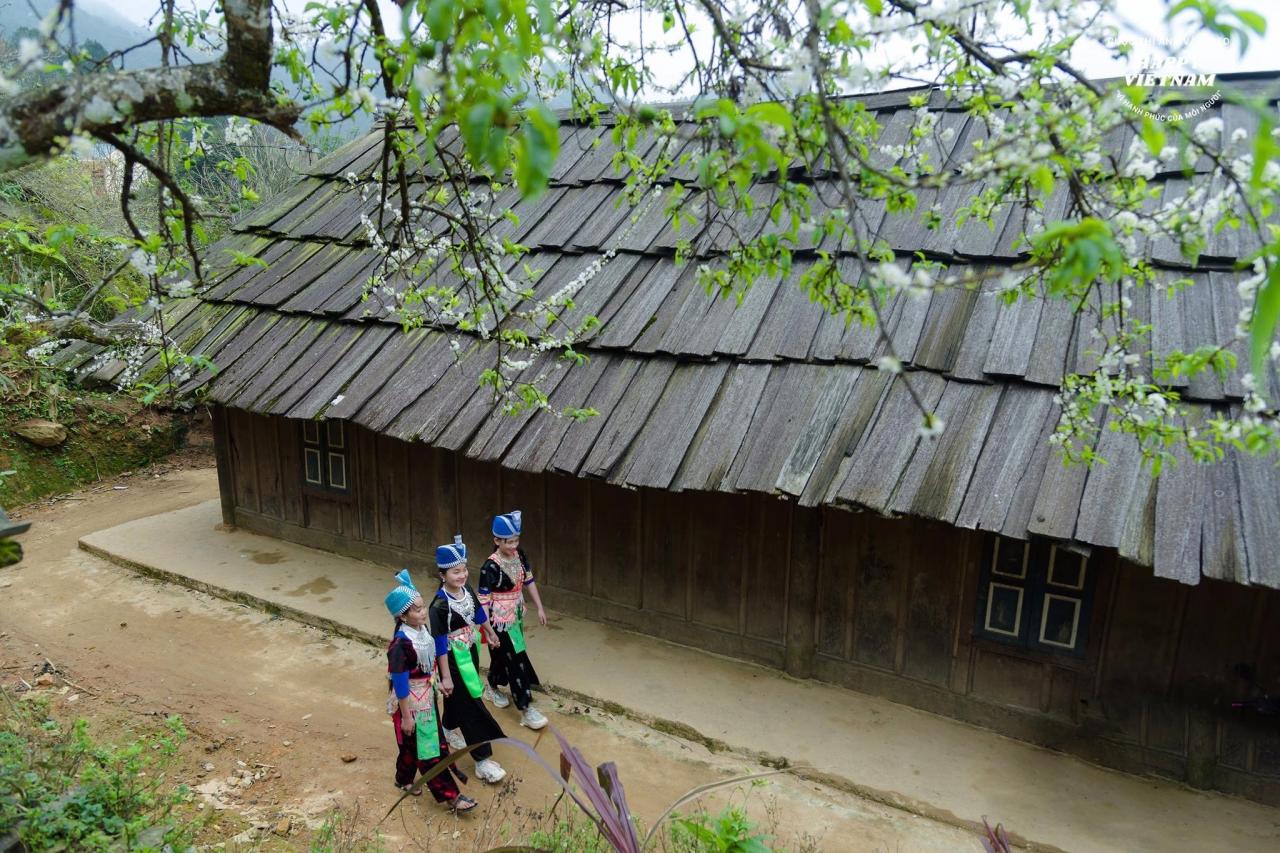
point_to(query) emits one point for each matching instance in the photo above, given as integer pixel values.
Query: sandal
(462, 803)
(409, 789)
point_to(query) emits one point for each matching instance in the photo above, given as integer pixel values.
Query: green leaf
(771, 112)
(1042, 178)
(439, 19)
(1153, 135)
(539, 143)
(546, 16)
(475, 130)
(244, 259)
(1252, 20)
(1077, 254)
(1264, 149)
(1266, 313)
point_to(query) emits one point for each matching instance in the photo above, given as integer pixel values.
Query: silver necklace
(423, 645)
(512, 567)
(466, 608)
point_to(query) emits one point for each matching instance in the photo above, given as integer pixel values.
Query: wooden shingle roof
(772, 395)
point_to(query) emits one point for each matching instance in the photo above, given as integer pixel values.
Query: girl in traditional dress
(410, 664)
(457, 619)
(503, 579)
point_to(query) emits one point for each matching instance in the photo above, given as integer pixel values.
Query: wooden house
(755, 488)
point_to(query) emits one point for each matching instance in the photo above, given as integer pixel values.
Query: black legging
(507, 666)
(409, 765)
(466, 712)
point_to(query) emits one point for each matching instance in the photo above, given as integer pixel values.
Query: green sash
(516, 633)
(426, 733)
(467, 667)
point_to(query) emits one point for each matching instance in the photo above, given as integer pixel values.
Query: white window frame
(1017, 619)
(1075, 620)
(995, 561)
(325, 444)
(1053, 558)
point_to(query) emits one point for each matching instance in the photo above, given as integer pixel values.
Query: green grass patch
(60, 789)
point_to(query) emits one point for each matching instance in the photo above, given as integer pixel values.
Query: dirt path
(268, 695)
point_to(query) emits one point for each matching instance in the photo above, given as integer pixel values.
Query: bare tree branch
(37, 124)
(79, 325)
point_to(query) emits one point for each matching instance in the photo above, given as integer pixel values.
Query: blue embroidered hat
(506, 526)
(402, 597)
(448, 556)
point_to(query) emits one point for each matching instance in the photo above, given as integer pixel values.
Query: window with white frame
(324, 454)
(1036, 595)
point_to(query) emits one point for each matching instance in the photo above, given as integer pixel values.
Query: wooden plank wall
(1168, 670)
(891, 611)
(634, 557)
(1152, 695)
(886, 606)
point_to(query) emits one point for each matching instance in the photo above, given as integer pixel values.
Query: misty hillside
(93, 20)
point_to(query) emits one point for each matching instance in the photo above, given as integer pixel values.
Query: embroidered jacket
(501, 588)
(447, 624)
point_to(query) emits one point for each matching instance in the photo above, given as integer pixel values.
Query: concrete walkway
(925, 764)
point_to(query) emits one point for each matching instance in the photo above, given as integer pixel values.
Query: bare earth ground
(275, 706)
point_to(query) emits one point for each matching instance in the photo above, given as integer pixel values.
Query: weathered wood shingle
(758, 390)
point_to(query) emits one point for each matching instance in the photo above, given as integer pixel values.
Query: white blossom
(893, 276)
(931, 426)
(143, 261)
(1139, 167)
(40, 352)
(1126, 219)
(799, 80)
(1208, 130)
(81, 147)
(1248, 288)
(365, 98)
(889, 364)
(1007, 87)
(427, 80)
(28, 51)
(50, 21)
(101, 111)
(329, 50)
(239, 131)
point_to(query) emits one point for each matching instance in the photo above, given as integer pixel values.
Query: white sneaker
(455, 738)
(497, 697)
(490, 771)
(533, 718)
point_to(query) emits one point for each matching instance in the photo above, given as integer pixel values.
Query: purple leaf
(618, 828)
(608, 774)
